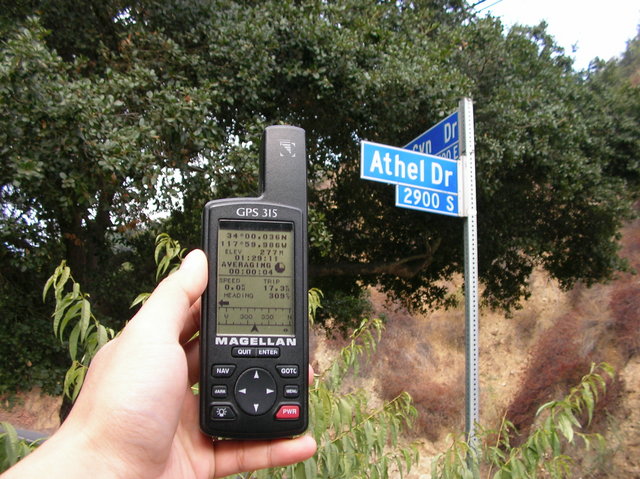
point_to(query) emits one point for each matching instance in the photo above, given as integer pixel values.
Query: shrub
(30, 355)
(542, 452)
(353, 439)
(555, 362)
(625, 307)
(12, 448)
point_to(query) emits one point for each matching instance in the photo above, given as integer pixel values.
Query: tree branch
(403, 268)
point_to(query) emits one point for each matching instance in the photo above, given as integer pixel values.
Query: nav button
(222, 370)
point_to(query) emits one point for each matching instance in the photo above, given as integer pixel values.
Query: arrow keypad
(255, 391)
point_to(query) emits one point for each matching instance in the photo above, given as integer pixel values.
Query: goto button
(288, 370)
(288, 411)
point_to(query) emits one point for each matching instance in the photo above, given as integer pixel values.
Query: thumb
(173, 307)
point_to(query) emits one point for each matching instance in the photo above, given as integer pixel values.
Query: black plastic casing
(283, 200)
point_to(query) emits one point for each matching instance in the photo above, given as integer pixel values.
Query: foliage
(542, 453)
(86, 336)
(629, 65)
(30, 357)
(315, 303)
(12, 448)
(556, 359)
(354, 440)
(547, 112)
(168, 256)
(343, 311)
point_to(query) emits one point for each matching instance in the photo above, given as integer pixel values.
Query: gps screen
(255, 278)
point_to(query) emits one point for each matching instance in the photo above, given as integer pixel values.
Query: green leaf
(62, 278)
(547, 405)
(73, 342)
(103, 336)
(140, 299)
(47, 286)
(310, 468)
(74, 379)
(564, 424)
(10, 443)
(85, 316)
(71, 314)
(58, 314)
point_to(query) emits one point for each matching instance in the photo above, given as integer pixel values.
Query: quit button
(243, 352)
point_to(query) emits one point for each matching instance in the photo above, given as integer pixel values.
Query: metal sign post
(472, 400)
(442, 183)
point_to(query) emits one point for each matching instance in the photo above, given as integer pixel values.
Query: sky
(597, 28)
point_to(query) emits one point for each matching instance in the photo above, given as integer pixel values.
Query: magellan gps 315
(254, 333)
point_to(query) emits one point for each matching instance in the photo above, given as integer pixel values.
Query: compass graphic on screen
(280, 267)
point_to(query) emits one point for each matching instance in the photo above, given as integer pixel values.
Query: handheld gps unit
(254, 331)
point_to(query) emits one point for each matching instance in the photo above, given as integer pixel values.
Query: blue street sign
(442, 139)
(421, 199)
(452, 152)
(389, 164)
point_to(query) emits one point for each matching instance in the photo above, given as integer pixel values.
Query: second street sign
(442, 139)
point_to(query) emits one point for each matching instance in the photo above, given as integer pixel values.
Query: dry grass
(411, 358)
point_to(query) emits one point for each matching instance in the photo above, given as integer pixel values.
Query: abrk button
(219, 391)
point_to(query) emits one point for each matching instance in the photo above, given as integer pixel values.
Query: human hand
(136, 416)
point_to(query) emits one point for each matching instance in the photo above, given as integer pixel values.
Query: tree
(119, 109)
(629, 64)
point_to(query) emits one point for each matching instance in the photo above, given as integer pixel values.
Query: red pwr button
(288, 411)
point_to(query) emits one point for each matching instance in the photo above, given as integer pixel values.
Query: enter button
(288, 411)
